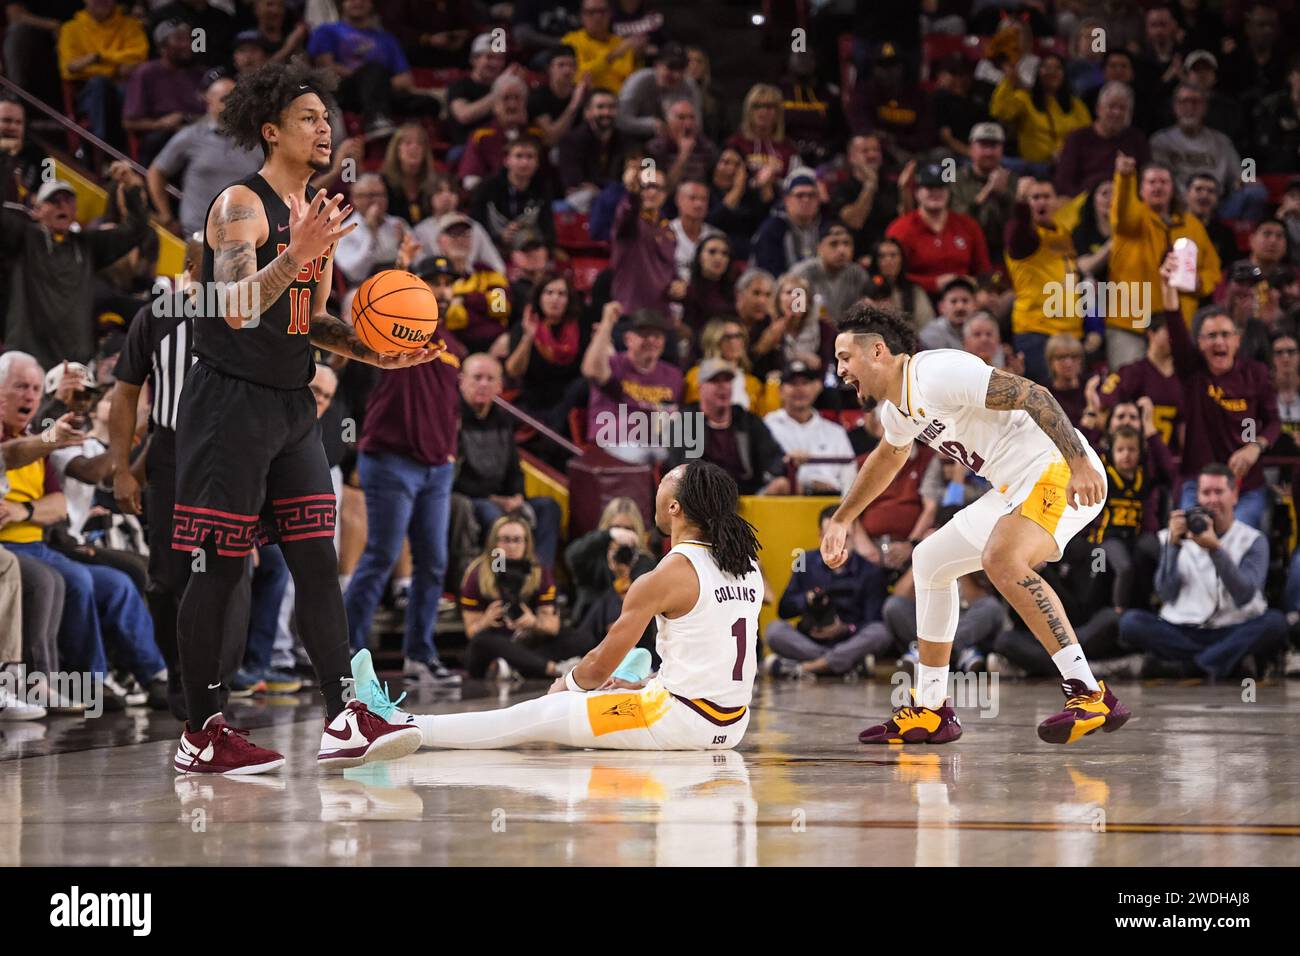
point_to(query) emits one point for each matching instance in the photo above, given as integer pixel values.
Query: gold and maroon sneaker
(1086, 712)
(914, 724)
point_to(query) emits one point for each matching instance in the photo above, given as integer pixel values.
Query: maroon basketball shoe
(220, 748)
(914, 724)
(1086, 712)
(358, 735)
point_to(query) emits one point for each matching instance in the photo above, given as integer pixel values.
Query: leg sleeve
(571, 720)
(937, 563)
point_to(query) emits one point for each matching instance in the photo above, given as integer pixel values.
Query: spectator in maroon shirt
(1232, 415)
(644, 245)
(1088, 156)
(485, 151)
(710, 292)
(1152, 377)
(627, 388)
(939, 244)
(682, 149)
(163, 94)
(406, 462)
(883, 103)
(1065, 374)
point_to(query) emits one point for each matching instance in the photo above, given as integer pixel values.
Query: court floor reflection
(1196, 778)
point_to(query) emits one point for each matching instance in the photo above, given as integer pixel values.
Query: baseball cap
(644, 320)
(165, 29)
(431, 266)
(672, 55)
(799, 176)
(482, 44)
(712, 368)
(48, 190)
(245, 37)
(931, 175)
(987, 133)
(1200, 56)
(828, 226)
(797, 369)
(453, 219)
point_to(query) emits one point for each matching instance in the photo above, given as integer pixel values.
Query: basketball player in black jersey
(250, 464)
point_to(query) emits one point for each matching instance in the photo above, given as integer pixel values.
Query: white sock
(1073, 665)
(931, 685)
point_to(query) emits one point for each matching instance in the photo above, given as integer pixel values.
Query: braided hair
(709, 498)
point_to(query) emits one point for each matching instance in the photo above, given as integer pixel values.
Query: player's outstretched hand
(834, 544)
(1086, 486)
(316, 225)
(407, 359)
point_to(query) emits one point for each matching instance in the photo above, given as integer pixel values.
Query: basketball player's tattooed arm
(1007, 392)
(334, 335)
(236, 226)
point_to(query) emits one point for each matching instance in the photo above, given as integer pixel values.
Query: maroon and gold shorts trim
(236, 535)
(722, 716)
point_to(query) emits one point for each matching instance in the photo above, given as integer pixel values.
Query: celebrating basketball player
(250, 465)
(1047, 486)
(704, 596)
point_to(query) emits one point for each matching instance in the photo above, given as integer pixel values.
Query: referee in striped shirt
(159, 352)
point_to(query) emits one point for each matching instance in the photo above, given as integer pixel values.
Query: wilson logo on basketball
(408, 334)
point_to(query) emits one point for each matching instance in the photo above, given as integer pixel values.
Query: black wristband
(31, 509)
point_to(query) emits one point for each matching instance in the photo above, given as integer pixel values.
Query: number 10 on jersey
(299, 311)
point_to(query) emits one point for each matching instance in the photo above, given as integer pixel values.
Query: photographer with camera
(507, 600)
(839, 616)
(603, 563)
(1215, 620)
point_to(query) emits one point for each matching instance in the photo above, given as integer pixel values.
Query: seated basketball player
(1047, 487)
(705, 596)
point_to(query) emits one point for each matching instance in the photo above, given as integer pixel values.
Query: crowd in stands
(1101, 196)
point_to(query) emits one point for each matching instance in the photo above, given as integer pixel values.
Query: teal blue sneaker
(635, 667)
(374, 694)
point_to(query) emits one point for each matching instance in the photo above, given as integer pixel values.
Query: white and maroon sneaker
(358, 735)
(220, 748)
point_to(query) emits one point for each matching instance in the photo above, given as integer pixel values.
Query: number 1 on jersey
(738, 632)
(299, 311)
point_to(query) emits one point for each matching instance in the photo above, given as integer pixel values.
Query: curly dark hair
(262, 96)
(867, 319)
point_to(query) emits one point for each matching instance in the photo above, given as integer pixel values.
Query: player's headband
(302, 89)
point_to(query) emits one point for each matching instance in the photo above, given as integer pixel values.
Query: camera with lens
(510, 585)
(625, 554)
(820, 613)
(1198, 519)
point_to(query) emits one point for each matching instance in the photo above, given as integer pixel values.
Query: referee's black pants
(169, 573)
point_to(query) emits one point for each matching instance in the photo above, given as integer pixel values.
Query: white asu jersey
(709, 652)
(943, 407)
(943, 397)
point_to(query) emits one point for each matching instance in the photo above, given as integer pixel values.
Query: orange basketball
(394, 311)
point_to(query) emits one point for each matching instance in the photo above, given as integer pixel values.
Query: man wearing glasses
(1230, 405)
